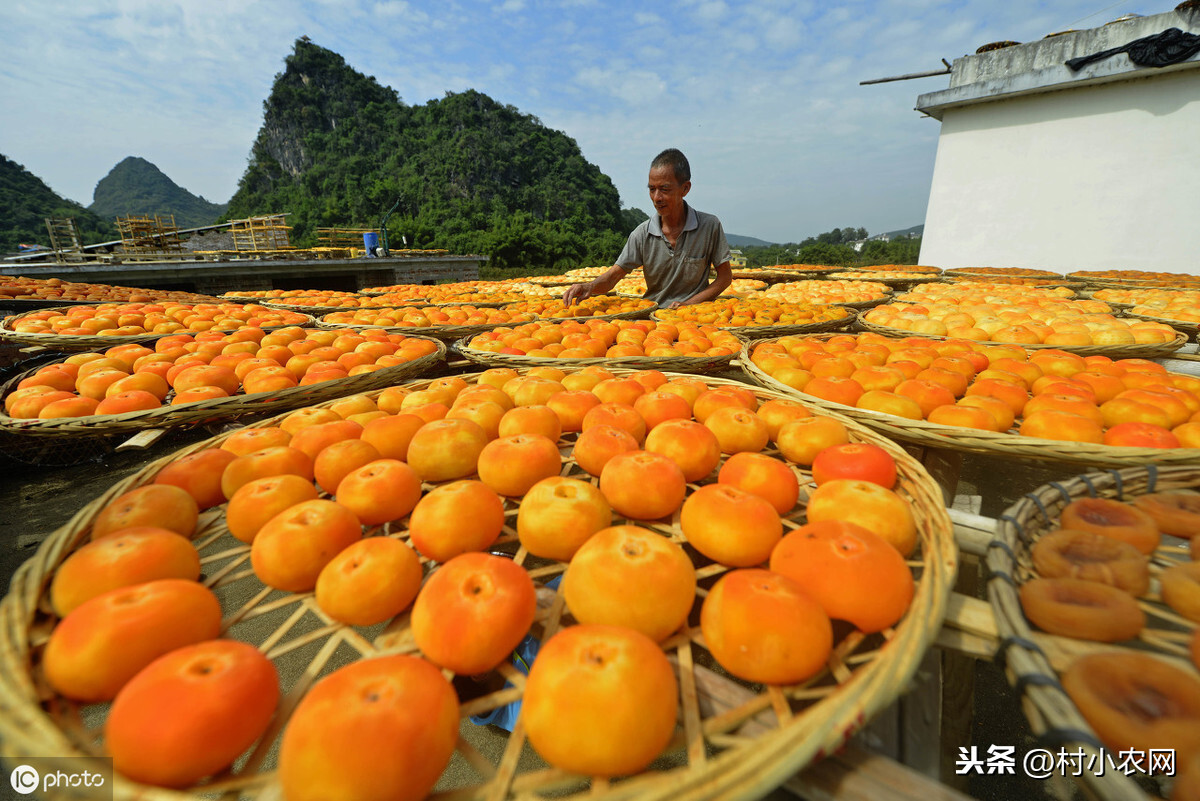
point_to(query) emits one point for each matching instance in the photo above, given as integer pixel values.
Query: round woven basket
(1152, 351)
(1033, 659)
(735, 739)
(216, 409)
(1007, 445)
(763, 331)
(679, 364)
(76, 343)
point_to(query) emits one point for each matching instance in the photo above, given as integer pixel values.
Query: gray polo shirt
(675, 274)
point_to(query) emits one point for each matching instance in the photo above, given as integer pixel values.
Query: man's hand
(577, 292)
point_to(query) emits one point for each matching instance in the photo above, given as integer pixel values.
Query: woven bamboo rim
(81, 342)
(900, 282)
(1114, 284)
(1191, 329)
(636, 314)
(761, 331)
(970, 440)
(678, 364)
(768, 275)
(37, 304)
(217, 409)
(808, 271)
(730, 745)
(446, 333)
(1034, 659)
(554, 280)
(1149, 351)
(857, 305)
(981, 274)
(318, 311)
(1090, 294)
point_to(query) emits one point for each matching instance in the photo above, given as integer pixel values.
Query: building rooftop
(1040, 66)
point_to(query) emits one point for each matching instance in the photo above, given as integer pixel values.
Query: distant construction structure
(149, 236)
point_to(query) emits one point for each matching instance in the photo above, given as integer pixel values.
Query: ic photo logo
(25, 779)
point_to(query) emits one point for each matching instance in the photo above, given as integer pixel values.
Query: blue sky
(762, 96)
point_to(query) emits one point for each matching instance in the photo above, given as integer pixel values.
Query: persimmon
(191, 713)
(455, 518)
(558, 515)
(380, 490)
(378, 728)
(869, 505)
(643, 485)
(630, 576)
(511, 465)
(290, 549)
(762, 627)
(369, 582)
(162, 505)
(730, 525)
(600, 700)
(131, 556)
(764, 476)
(199, 474)
(106, 640)
(473, 611)
(854, 574)
(858, 460)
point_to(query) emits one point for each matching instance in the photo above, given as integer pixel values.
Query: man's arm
(599, 286)
(719, 284)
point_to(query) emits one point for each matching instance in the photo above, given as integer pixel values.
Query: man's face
(666, 193)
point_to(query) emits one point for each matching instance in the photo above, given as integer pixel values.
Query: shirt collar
(690, 224)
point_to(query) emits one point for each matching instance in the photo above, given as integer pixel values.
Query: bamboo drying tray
(764, 331)
(1034, 659)
(216, 409)
(681, 364)
(1150, 351)
(991, 443)
(735, 739)
(80, 342)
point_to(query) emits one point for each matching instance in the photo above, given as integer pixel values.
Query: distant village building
(1043, 166)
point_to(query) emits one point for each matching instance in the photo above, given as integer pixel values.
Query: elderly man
(675, 248)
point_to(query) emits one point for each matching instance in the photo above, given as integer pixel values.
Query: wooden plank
(142, 439)
(855, 774)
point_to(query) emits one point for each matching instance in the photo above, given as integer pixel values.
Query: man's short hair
(678, 162)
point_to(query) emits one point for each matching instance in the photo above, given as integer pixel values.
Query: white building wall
(1091, 177)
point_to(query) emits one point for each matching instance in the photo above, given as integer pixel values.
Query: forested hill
(469, 174)
(26, 202)
(135, 186)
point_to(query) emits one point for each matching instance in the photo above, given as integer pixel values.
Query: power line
(1094, 13)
